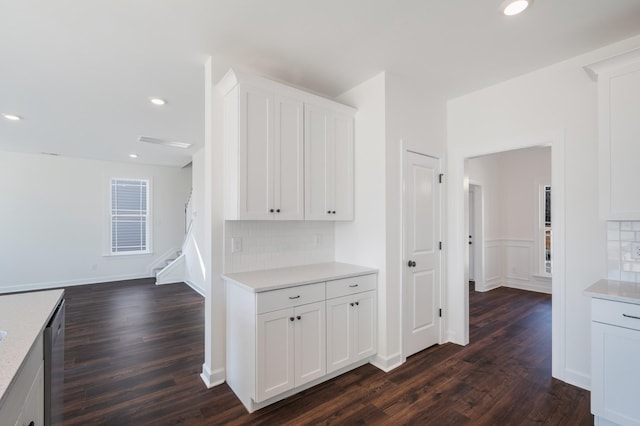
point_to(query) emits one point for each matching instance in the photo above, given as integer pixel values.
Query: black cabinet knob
(291, 318)
(411, 264)
(357, 303)
(32, 423)
(351, 303)
(328, 211)
(278, 211)
(333, 212)
(270, 210)
(299, 317)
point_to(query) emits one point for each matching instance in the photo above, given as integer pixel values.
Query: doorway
(476, 236)
(459, 243)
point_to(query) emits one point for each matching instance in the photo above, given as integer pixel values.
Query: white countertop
(619, 291)
(273, 279)
(23, 316)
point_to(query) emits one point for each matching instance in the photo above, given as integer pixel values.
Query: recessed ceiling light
(11, 117)
(157, 141)
(133, 155)
(157, 101)
(513, 7)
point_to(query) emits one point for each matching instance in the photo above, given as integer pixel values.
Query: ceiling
(80, 72)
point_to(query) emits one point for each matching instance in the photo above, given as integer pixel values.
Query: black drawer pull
(353, 285)
(294, 297)
(630, 316)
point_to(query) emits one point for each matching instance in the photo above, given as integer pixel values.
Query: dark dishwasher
(54, 368)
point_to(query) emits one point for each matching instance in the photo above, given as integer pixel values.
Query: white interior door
(421, 252)
(471, 232)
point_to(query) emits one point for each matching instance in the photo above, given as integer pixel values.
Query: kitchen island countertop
(23, 316)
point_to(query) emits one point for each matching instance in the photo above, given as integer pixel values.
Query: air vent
(163, 142)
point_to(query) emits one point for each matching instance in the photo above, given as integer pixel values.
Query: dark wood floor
(134, 353)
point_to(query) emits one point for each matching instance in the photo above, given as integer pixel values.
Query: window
(129, 214)
(545, 228)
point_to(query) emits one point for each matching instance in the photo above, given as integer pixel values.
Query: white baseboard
(488, 286)
(196, 288)
(69, 283)
(527, 285)
(387, 364)
(212, 378)
(577, 378)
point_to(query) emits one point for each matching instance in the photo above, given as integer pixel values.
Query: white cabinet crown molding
(236, 76)
(612, 63)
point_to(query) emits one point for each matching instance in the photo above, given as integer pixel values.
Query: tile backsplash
(277, 244)
(620, 264)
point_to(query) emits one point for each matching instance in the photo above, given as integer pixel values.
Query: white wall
(194, 247)
(55, 223)
(363, 241)
(510, 183)
(392, 115)
(557, 102)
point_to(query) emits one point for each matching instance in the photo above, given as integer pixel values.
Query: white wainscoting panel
(493, 264)
(510, 263)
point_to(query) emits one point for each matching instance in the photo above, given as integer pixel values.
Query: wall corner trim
(212, 378)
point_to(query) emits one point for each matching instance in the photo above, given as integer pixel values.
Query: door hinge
(440, 245)
(440, 176)
(440, 312)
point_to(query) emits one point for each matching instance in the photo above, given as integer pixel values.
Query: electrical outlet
(317, 239)
(236, 244)
(635, 250)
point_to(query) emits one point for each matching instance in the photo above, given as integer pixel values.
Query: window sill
(135, 253)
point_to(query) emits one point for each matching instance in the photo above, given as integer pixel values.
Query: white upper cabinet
(619, 135)
(264, 154)
(265, 159)
(328, 164)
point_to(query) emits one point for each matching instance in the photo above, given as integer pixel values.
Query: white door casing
(422, 255)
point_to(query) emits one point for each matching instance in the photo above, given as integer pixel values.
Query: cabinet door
(33, 408)
(343, 167)
(328, 165)
(275, 358)
(317, 157)
(619, 127)
(340, 343)
(310, 342)
(255, 154)
(366, 325)
(615, 374)
(288, 179)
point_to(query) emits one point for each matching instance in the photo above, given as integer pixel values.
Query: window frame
(148, 216)
(541, 232)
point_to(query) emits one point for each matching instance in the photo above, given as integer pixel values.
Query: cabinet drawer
(616, 313)
(287, 297)
(346, 286)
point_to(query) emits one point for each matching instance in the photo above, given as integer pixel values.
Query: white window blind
(129, 216)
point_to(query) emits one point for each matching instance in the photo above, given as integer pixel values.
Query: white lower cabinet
(291, 349)
(351, 336)
(282, 341)
(24, 404)
(615, 344)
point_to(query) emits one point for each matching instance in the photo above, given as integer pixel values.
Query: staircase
(171, 270)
